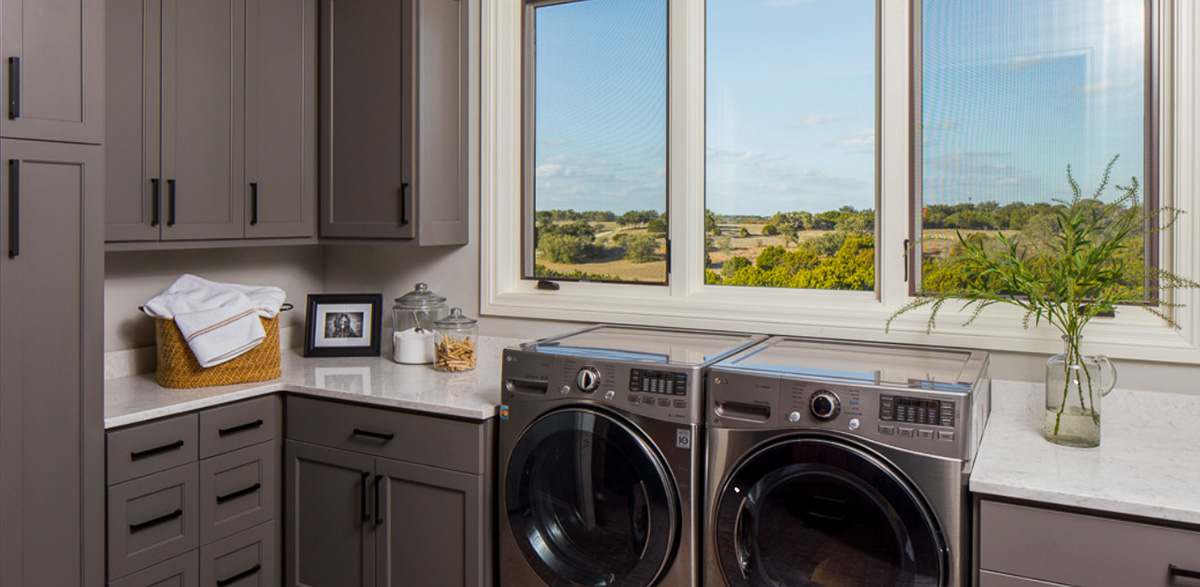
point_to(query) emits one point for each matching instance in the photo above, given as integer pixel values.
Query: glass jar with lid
(413, 319)
(457, 340)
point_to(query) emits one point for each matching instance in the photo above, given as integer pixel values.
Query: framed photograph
(342, 325)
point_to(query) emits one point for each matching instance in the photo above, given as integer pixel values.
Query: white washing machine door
(590, 502)
(813, 511)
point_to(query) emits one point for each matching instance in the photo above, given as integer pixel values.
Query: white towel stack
(219, 321)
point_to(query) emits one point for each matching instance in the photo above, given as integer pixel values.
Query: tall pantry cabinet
(51, 293)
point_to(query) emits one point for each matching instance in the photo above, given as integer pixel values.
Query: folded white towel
(219, 321)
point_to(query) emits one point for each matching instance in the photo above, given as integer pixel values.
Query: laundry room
(523, 293)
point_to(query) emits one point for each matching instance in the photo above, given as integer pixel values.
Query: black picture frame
(342, 325)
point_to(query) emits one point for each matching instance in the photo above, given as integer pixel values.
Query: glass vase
(1074, 385)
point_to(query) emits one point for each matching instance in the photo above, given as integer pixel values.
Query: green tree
(640, 248)
(744, 233)
(770, 230)
(657, 227)
(732, 265)
(564, 248)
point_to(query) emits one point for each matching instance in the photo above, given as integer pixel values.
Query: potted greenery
(1082, 264)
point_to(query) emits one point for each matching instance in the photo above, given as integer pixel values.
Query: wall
(131, 278)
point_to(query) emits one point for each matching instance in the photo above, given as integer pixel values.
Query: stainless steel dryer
(601, 483)
(844, 464)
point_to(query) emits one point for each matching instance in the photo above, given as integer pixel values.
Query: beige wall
(131, 278)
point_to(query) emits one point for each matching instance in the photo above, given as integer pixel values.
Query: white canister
(413, 346)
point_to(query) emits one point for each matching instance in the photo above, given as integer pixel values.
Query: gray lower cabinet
(211, 113)
(358, 519)
(1026, 546)
(53, 70)
(394, 120)
(51, 371)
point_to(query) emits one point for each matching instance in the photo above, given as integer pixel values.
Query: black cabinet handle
(240, 428)
(403, 204)
(14, 87)
(156, 202)
(253, 203)
(156, 521)
(238, 577)
(238, 493)
(171, 195)
(373, 434)
(366, 515)
(141, 454)
(1178, 572)
(14, 208)
(378, 510)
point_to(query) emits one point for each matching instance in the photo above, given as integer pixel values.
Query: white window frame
(688, 302)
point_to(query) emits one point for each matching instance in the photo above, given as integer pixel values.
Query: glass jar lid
(420, 298)
(455, 321)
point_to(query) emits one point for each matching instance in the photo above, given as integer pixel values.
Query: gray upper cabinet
(394, 120)
(51, 380)
(53, 70)
(211, 109)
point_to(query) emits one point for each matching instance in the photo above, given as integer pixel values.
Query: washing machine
(600, 476)
(842, 464)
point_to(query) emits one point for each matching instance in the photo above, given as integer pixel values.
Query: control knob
(588, 379)
(824, 405)
(794, 417)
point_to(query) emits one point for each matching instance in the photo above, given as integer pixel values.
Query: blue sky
(1014, 90)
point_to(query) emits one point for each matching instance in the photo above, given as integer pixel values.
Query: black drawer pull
(240, 428)
(141, 454)
(378, 510)
(156, 521)
(366, 515)
(156, 202)
(253, 203)
(1179, 572)
(239, 576)
(404, 204)
(14, 87)
(239, 493)
(373, 434)
(171, 198)
(14, 208)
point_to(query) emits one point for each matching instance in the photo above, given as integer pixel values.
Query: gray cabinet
(53, 70)
(394, 120)
(359, 519)
(211, 113)
(51, 372)
(1022, 545)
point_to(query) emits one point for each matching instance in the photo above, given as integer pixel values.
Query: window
(1011, 92)
(596, 140)
(790, 144)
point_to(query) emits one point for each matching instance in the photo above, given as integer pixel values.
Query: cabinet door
(367, 118)
(51, 381)
(327, 534)
(53, 60)
(202, 118)
(429, 527)
(281, 118)
(133, 194)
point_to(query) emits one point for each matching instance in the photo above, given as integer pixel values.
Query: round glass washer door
(590, 501)
(819, 512)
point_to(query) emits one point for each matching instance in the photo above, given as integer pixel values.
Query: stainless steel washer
(601, 481)
(842, 464)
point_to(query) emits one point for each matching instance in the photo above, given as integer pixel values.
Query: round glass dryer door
(590, 502)
(818, 512)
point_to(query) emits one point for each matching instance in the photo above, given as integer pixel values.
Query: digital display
(909, 410)
(664, 382)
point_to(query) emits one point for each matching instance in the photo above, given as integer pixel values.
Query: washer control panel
(824, 405)
(659, 382)
(588, 379)
(911, 410)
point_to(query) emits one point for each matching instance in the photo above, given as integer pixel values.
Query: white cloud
(551, 170)
(863, 138)
(731, 155)
(1102, 86)
(1024, 61)
(815, 120)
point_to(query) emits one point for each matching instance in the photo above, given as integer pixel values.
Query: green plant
(1083, 263)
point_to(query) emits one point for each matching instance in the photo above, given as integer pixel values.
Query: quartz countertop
(370, 380)
(1147, 464)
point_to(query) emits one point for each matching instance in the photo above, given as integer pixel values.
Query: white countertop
(1147, 464)
(371, 380)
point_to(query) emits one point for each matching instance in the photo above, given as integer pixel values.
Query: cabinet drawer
(1078, 549)
(148, 448)
(246, 559)
(239, 425)
(181, 571)
(152, 519)
(425, 440)
(238, 490)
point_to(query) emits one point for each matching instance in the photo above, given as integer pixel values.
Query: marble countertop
(372, 380)
(1147, 464)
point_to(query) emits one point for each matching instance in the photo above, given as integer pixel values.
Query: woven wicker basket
(177, 366)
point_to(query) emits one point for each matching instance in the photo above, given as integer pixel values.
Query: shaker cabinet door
(53, 70)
